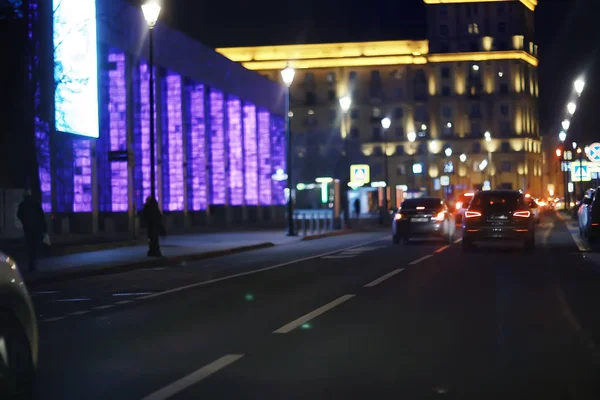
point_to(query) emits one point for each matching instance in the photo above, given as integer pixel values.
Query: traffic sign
(581, 172)
(360, 174)
(444, 180)
(594, 152)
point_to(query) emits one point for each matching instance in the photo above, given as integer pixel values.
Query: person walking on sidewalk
(31, 215)
(153, 218)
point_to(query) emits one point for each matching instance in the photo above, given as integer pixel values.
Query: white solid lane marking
(256, 271)
(73, 300)
(43, 292)
(3, 351)
(194, 377)
(80, 312)
(338, 256)
(104, 307)
(131, 294)
(458, 241)
(442, 248)
(313, 314)
(547, 233)
(418, 260)
(384, 277)
(122, 302)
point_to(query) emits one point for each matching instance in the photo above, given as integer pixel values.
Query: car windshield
(498, 201)
(427, 203)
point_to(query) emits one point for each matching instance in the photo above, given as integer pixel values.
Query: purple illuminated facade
(196, 154)
(236, 152)
(117, 115)
(218, 182)
(172, 160)
(278, 158)
(251, 155)
(265, 169)
(82, 175)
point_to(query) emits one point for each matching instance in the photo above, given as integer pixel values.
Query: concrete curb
(328, 234)
(83, 272)
(87, 248)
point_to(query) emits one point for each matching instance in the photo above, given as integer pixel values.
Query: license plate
(420, 219)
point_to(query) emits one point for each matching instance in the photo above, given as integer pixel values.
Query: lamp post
(571, 108)
(488, 139)
(151, 10)
(562, 136)
(566, 124)
(287, 75)
(385, 124)
(448, 153)
(580, 155)
(345, 103)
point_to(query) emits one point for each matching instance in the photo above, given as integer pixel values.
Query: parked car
(588, 215)
(18, 333)
(498, 215)
(421, 218)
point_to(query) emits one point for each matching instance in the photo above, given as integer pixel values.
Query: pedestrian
(153, 219)
(357, 207)
(31, 215)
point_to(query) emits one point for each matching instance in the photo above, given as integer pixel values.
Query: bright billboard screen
(75, 67)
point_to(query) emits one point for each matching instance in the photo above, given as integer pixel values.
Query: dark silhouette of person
(31, 215)
(153, 218)
(357, 208)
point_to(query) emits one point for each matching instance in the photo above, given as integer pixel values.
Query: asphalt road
(338, 318)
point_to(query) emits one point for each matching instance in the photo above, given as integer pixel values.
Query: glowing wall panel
(218, 177)
(250, 155)
(143, 135)
(82, 175)
(117, 118)
(75, 67)
(236, 148)
(278, 158)
(264, 158)
(196, 134)
(172, 157)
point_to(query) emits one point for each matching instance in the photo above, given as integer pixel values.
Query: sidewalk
(176, 249)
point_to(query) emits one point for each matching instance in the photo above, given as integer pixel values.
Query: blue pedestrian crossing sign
(594, 152)
(360, 174)
(581, 172)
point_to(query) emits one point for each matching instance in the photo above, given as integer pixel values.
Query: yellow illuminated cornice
(329, 50)
(531, 4)
(484, 56)
(389, 60)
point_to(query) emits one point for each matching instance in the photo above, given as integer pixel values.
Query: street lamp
(463, 158)
(448, 152)
(151, 11)
(579, 84)
(562, 136)
(574, 144)
(287, 75)
(488, 139)
(571, 108)
(385, 124)
(566, 124)
(345, 103)
(411, 136)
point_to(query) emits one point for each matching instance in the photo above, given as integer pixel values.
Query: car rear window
(498, 201)
(427, 203)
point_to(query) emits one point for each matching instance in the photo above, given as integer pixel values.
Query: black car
(498, 215)
(423, 217)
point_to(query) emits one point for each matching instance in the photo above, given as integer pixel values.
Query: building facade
(462, 104)
(220, 134)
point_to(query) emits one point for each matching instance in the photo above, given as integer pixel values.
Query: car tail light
(441, 216)
(522, 214)
(458, 205)
(398, 217)
(472, 214)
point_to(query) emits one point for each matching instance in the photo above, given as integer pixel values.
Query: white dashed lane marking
(350, 253)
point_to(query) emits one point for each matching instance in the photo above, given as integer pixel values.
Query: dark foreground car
(498, 215)
(421, 218)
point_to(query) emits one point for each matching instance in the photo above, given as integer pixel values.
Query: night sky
(567, 33)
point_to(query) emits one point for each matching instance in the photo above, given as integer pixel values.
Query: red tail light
(522, 214)
(472, 214)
